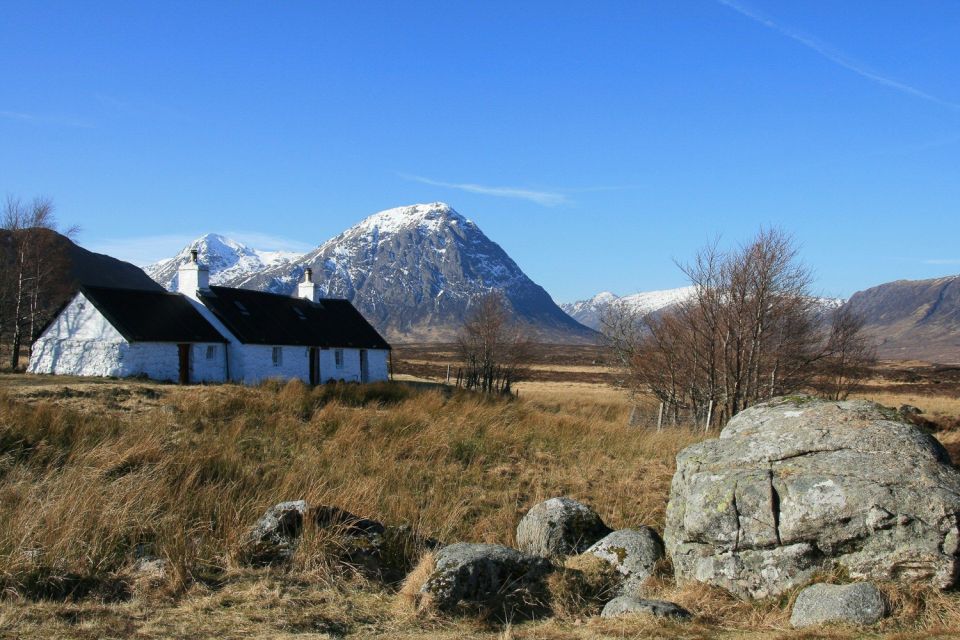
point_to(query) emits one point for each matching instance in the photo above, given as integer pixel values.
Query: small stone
(860, 603)
(629, 605)
(490, 575)
(632, 552)
(559, 527)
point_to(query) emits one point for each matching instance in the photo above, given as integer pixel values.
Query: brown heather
(182, 473)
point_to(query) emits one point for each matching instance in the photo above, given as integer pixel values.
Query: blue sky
(595, 141)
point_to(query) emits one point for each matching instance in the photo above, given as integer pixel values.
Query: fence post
(706, 427)
(660, 418)
(448, 374)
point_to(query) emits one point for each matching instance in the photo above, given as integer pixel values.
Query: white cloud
(545, 198)
(834, 55)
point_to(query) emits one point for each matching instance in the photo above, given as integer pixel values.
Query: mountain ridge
(414, 272)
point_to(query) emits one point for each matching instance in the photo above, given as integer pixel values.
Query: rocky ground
(405, 513)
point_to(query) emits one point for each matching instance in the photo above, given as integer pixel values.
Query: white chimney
(192, 276)
(308, 289)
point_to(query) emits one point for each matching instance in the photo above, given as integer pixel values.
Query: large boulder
(858, 604)
(559, 527)
(632, 552)
(798, 485)
(486, 575)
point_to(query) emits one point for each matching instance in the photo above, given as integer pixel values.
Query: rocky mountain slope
(913, 319)
(589, 312)
(229, 261)
(412, 271)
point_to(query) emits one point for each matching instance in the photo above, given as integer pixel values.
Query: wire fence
(661, 417)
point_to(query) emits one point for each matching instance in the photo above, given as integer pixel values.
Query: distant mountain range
(412, 271)
(590, 312)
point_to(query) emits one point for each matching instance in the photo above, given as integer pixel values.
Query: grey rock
(629, 605)
(558, 527)
(633, 552)
(275, 536)
(489, 575)
(798, 485)
(859, 604)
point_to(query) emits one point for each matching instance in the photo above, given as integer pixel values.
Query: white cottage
(211, 334)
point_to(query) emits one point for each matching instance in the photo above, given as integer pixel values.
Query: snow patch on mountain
(227, 259)
(590, 312)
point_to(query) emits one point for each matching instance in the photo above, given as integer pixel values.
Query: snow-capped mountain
(589, 312)
(414, 271)
(228, 260)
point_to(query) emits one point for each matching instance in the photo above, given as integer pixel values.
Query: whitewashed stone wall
(256, 363)
(81, 342)
(350, 372)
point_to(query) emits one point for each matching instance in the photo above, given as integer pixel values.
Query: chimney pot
(193, 255)
(308, 275)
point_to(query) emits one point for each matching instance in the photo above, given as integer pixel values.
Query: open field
(92, 470)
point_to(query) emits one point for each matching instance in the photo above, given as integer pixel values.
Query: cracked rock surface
(796, 485)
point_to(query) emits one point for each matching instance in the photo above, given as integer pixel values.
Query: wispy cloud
(545, 198)
(942, 261)
(834, 55)
(34, 118)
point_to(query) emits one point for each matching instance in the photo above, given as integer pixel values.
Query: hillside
(913, 319)
(95, 269)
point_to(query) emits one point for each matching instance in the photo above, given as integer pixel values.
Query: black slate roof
(151, 316)
(257, 317)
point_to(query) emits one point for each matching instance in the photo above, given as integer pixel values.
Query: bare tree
(492, 348)
(33, 271)
(850, 355)
(749, 331)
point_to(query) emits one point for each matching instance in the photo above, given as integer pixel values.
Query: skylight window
(242, 308)
(299, 313)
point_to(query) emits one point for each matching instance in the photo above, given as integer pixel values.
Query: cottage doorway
(314, 365)
(184, 350)
(364, 366)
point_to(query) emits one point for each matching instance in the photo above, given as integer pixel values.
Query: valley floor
(90, 469)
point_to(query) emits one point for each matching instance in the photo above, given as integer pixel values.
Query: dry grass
(183, 473)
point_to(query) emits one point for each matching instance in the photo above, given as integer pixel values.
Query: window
(299, 313)
(338, 358)
(211, 351)
(242, 308)
(277, 356)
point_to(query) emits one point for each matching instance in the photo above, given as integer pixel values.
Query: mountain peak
(228, 260)
(429, 216)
